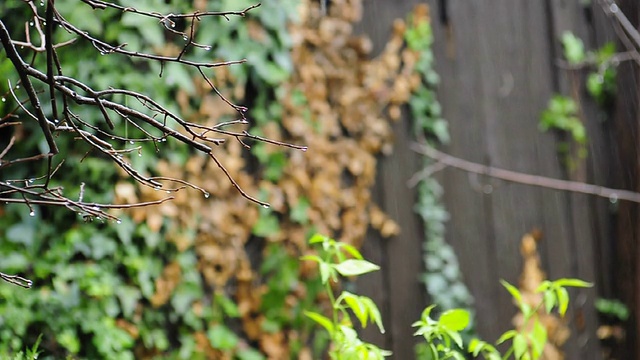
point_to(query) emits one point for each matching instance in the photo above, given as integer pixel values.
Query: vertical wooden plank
(570, 16)
(627, 234)
(399, 292)
(456, 50)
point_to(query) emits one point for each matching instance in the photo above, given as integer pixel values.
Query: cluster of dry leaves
(532, 276)
(349, 101)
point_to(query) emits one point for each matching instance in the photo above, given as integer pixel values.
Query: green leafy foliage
(332, 262)
(95, 282)
(443, 339)
(562, 115)
(573, 48)
(613, 308)
(442, 335)
(601, 83)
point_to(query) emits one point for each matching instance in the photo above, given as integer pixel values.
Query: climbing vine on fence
(443, 278)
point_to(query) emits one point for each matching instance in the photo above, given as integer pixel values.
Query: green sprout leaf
(456, 319)
(549, 301)
(563, 300)
(519, 346)
(572, 283)
(324, 321)
(506, 336)
(573, 48)
(353, 267)
(512, 290)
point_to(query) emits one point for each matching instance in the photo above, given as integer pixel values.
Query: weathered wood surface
(497, 63)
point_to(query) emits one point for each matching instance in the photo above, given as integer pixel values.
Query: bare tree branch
(520, 178)
(155, 121)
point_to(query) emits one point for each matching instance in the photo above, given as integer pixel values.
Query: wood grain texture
(497, 64)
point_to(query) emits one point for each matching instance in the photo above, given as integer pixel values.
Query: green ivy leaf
(249, 354)
(267, 225)
(221, 337)
(299, 212)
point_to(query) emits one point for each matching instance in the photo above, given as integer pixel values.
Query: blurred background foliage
(211, 276)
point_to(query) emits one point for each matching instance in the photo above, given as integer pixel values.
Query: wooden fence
(497, 60)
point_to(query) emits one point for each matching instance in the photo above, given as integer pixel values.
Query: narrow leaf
(325, 272)
(358, 308)
(519, 346)
(374, 312)
(320, 319)
(506, 336)
(538, 338)
(317, 238)
(573, 283)
(456, 337)
(354, 267)
(512, 290)
(563, 300)
(352, 250)
(549, 301)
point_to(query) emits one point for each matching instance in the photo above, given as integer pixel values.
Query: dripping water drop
(206, 195)
(32, 213)
(613, 198)
(266, 206)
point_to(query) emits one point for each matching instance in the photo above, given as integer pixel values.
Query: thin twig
(526, 179)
